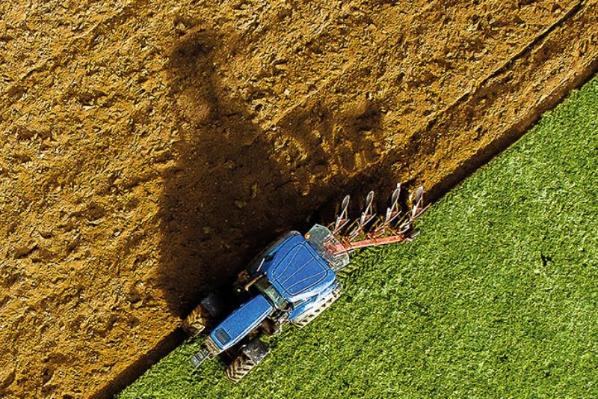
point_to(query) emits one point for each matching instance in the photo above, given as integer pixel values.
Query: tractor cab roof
(296, 270)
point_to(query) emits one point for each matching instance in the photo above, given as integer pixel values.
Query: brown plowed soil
(149, 148)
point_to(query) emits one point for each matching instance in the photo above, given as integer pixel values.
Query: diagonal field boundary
(548, 85)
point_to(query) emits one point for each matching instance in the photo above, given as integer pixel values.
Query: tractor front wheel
(196, 322)
(209, 309)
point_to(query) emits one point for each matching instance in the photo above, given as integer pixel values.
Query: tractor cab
(296, 271)
(295, 268)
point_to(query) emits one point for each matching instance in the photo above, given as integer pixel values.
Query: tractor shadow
(230, 194)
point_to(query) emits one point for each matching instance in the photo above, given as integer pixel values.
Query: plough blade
(359, 226)
(382, 225)
(368, 214)
(394, 210)
(417, 202)
(343, 216)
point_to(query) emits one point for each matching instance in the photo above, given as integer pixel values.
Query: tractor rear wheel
(308, 318)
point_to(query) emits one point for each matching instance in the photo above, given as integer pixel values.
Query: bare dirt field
(149, 148)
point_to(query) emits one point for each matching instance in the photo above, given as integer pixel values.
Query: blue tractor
(291, 282)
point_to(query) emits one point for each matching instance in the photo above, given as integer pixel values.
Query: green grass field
(497, 297)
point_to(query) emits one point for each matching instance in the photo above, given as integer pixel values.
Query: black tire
(196, 322)
(203, 316)
(271, 327)
(240, 367)
(250, 355)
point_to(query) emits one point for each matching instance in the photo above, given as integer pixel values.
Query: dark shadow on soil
(227, 197)
(217, 204)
